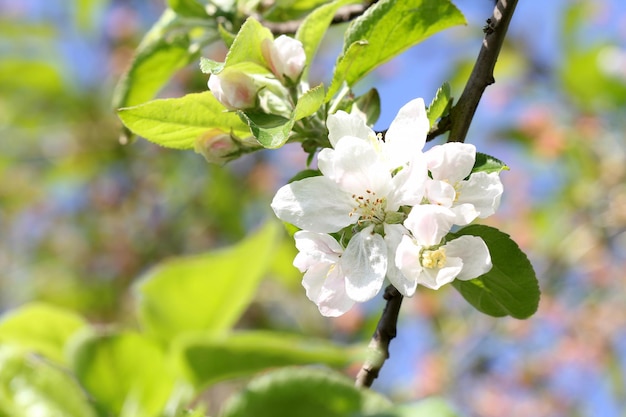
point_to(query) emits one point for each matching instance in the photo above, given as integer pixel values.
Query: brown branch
(461, 115)
(378, 349)
(344, 14)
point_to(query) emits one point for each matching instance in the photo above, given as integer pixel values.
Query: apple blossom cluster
(382, 210)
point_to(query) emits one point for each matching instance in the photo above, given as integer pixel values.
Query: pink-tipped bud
(216, 146)
(285, 57)
(234, 89)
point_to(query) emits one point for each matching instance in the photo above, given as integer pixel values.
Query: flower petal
(315, 248)
(483, 191)
(429, 223)
(408, 185)
(452, 161)
(343, 124)
(407, 261)
(440, 193)
(474, 253)
(435, 278)
(325, 286)
(394, 234)
(356, 167)
(315, 204)
(364, 264)
(406, 135)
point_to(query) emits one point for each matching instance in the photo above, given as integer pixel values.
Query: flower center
(434, 258)
(370, 208)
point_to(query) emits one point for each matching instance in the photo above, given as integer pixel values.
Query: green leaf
(179, 122)
(208, 66)
(30, 386)
(488, 164)
(440, 105)
(124, 371)
(510, 287)
(369, 103)
(41, 328)
(429, 407)
(271, 130)
(191, 8)
(247, 46)
(309, 103)
(205, 292)
(208, 359)
(157, 57)
(387, 29)
(312, 30)
(303, 392)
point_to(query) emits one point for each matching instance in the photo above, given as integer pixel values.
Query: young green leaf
(191, 8)
(207, 359)
(314, 27)
(272, 131)
(205, 292)
(124, 371)
(179, 122)
(31, 386)
(488, 164)
(369, 103)
(388, 28)
(303, 392)
(247, 46)
(440, 105)
(40, 328)
(428, 407)
(309, 103)
(510, 287)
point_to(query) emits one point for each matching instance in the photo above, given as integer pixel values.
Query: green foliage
(387, 29)
(510, 287)
(429, 407)
(303, 392)
(272, 131)
(441, 104)
(195, 293)
(179, 122)
(125, 372)
(40, 328)
(309, 103)
(191, 8)
(31, 386)
(369, 103)
(208, 359)
(487, 163)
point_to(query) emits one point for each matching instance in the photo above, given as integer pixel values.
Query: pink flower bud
(216, 146)
(285, 57)
(234, 89)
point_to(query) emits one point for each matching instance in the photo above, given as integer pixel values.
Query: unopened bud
(234, 89)
(285, 57)
(216, 146)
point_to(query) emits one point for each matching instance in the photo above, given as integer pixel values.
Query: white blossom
(285, 57)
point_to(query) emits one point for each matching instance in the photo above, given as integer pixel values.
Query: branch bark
(378, 349)
(462, 113)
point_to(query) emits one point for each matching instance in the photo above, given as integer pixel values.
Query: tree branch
(344, 14)
(378, 349)
(462, 113)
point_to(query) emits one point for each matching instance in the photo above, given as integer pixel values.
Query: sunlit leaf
(247, 44)
(429, 407)
(191, 8)
(440, 105)
(487, 163)
(124, 370)
(178, 122)
(510, 287)
(30, 386)
(303, 392)
(40, 328)
(205, 292)
(309, 102)
(388, 28)
(208, 359)
(272, 131)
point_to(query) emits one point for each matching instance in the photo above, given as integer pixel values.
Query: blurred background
(82, 216)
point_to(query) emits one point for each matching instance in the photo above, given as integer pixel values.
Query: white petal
(356, 167)
(465, 214)
(440, 193)
(408, 185)
(315, 204)
(429, 223)
(474, 253)
(407, 262)
(452, 161)
(394, 233)
(364, 264)
(343, 124)
(406, 135)
(315, 248)
(325, 286)
(483, 191)
(435, 278)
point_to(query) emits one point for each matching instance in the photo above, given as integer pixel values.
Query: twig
(462, 113)
(344, 14)
(378, 349)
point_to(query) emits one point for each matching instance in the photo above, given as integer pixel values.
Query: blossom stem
(378, 349)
